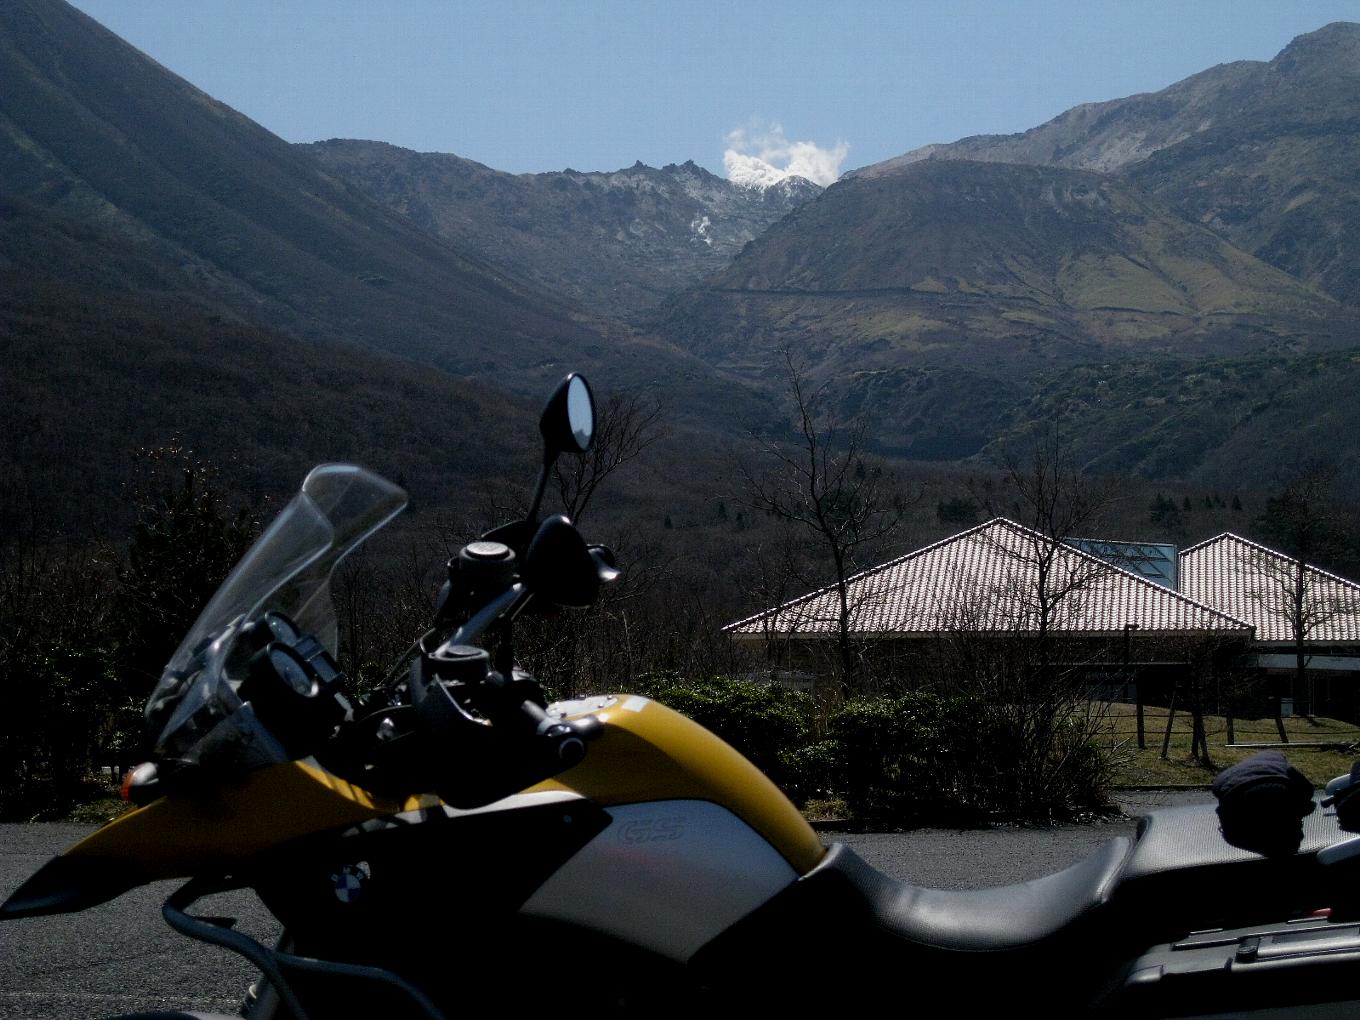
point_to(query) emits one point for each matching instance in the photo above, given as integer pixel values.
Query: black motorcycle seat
(979, 920)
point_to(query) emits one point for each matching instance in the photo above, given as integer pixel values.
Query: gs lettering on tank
(652, 830)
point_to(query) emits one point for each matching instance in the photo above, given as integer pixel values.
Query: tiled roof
(1255, 583)
(986, 579)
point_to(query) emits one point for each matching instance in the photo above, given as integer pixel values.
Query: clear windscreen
(194, 714)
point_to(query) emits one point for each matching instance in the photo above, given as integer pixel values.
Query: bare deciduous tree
(826, 483)
(625, 425)
(1054, 501)
(1304, 524)
(1020, 644)
(575, 652)
(776, 570)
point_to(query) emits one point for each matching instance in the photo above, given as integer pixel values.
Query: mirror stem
(505, 651)
(549, 457)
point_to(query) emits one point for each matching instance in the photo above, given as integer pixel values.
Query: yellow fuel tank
(646, 752)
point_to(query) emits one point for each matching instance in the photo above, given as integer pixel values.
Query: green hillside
(937, 296)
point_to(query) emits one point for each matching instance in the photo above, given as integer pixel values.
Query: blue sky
(532, 85)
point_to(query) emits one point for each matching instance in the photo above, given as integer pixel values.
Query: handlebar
(567, 741)
(457, 716)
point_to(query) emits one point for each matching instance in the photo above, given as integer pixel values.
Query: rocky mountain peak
(1330, 51)
(617, 242)
(795, 189)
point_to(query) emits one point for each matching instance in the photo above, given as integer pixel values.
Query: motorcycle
(453, 842)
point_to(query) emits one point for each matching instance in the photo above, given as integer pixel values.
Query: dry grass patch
(1134, 767)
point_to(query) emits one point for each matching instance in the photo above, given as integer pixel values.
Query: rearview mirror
(568, 426)
(568, 422)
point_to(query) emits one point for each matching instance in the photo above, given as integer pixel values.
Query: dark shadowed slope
(121, 178)
(95, 131)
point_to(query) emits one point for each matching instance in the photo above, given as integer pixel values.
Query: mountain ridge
(134, 206)
(940, 296)
(616, 241)
(1262, 152)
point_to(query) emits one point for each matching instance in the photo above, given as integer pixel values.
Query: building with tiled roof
(1271, 591)
(985, 580)
(1255, 583)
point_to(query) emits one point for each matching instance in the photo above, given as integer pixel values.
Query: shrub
(914, 757)
(812, 772)
(922, 757)
(1082, 770)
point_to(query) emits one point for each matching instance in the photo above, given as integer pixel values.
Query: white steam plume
(760, 155)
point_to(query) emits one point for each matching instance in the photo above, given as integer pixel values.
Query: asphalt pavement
(121, 956)
(118, 957)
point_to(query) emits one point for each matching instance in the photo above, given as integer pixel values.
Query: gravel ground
(121, 956)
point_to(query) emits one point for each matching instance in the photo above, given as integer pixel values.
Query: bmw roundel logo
(349, 881)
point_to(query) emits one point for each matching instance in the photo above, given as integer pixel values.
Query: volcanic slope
(616, 242)
(221, 215)
(937, 296)
(1266, 153)
(169, 267)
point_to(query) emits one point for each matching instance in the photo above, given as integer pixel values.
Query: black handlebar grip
(571, 749)
(536, 716)
(567, 745)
